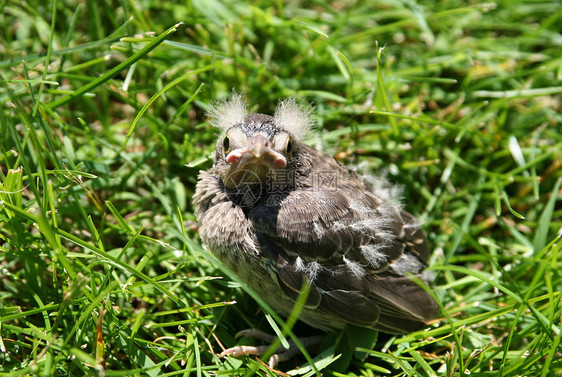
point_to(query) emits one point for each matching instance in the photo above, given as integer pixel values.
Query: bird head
(256, 146)
(252, 150)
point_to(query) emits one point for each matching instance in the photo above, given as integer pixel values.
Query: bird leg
(281, 354)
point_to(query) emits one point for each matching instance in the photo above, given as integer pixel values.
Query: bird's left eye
(289, 148)
(226, 144)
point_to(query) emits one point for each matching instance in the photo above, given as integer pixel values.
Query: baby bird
(280, 214)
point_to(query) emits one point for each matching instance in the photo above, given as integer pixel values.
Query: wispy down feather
(294, 118)
(226, 113)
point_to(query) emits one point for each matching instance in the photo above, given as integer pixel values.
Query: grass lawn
(103, 132)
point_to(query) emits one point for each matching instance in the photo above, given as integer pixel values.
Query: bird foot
(281, 354)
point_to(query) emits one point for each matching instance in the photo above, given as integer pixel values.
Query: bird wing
(354, 247)
(402, 305)
(324, 226)
(393, 304)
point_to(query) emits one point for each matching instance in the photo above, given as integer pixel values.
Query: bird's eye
(289, 148)
(226, 144)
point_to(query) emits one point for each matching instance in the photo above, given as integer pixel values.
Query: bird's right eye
(226, 144)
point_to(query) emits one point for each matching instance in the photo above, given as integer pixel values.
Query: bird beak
(259, 146)
(258, 152)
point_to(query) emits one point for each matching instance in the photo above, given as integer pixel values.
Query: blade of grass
(162, 91)
(546, 217)
(116, 70)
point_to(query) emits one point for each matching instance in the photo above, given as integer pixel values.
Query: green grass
(103, 132)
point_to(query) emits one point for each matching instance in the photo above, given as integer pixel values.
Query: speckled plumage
(278, 213)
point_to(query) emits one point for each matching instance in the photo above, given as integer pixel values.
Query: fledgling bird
(280, 213)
